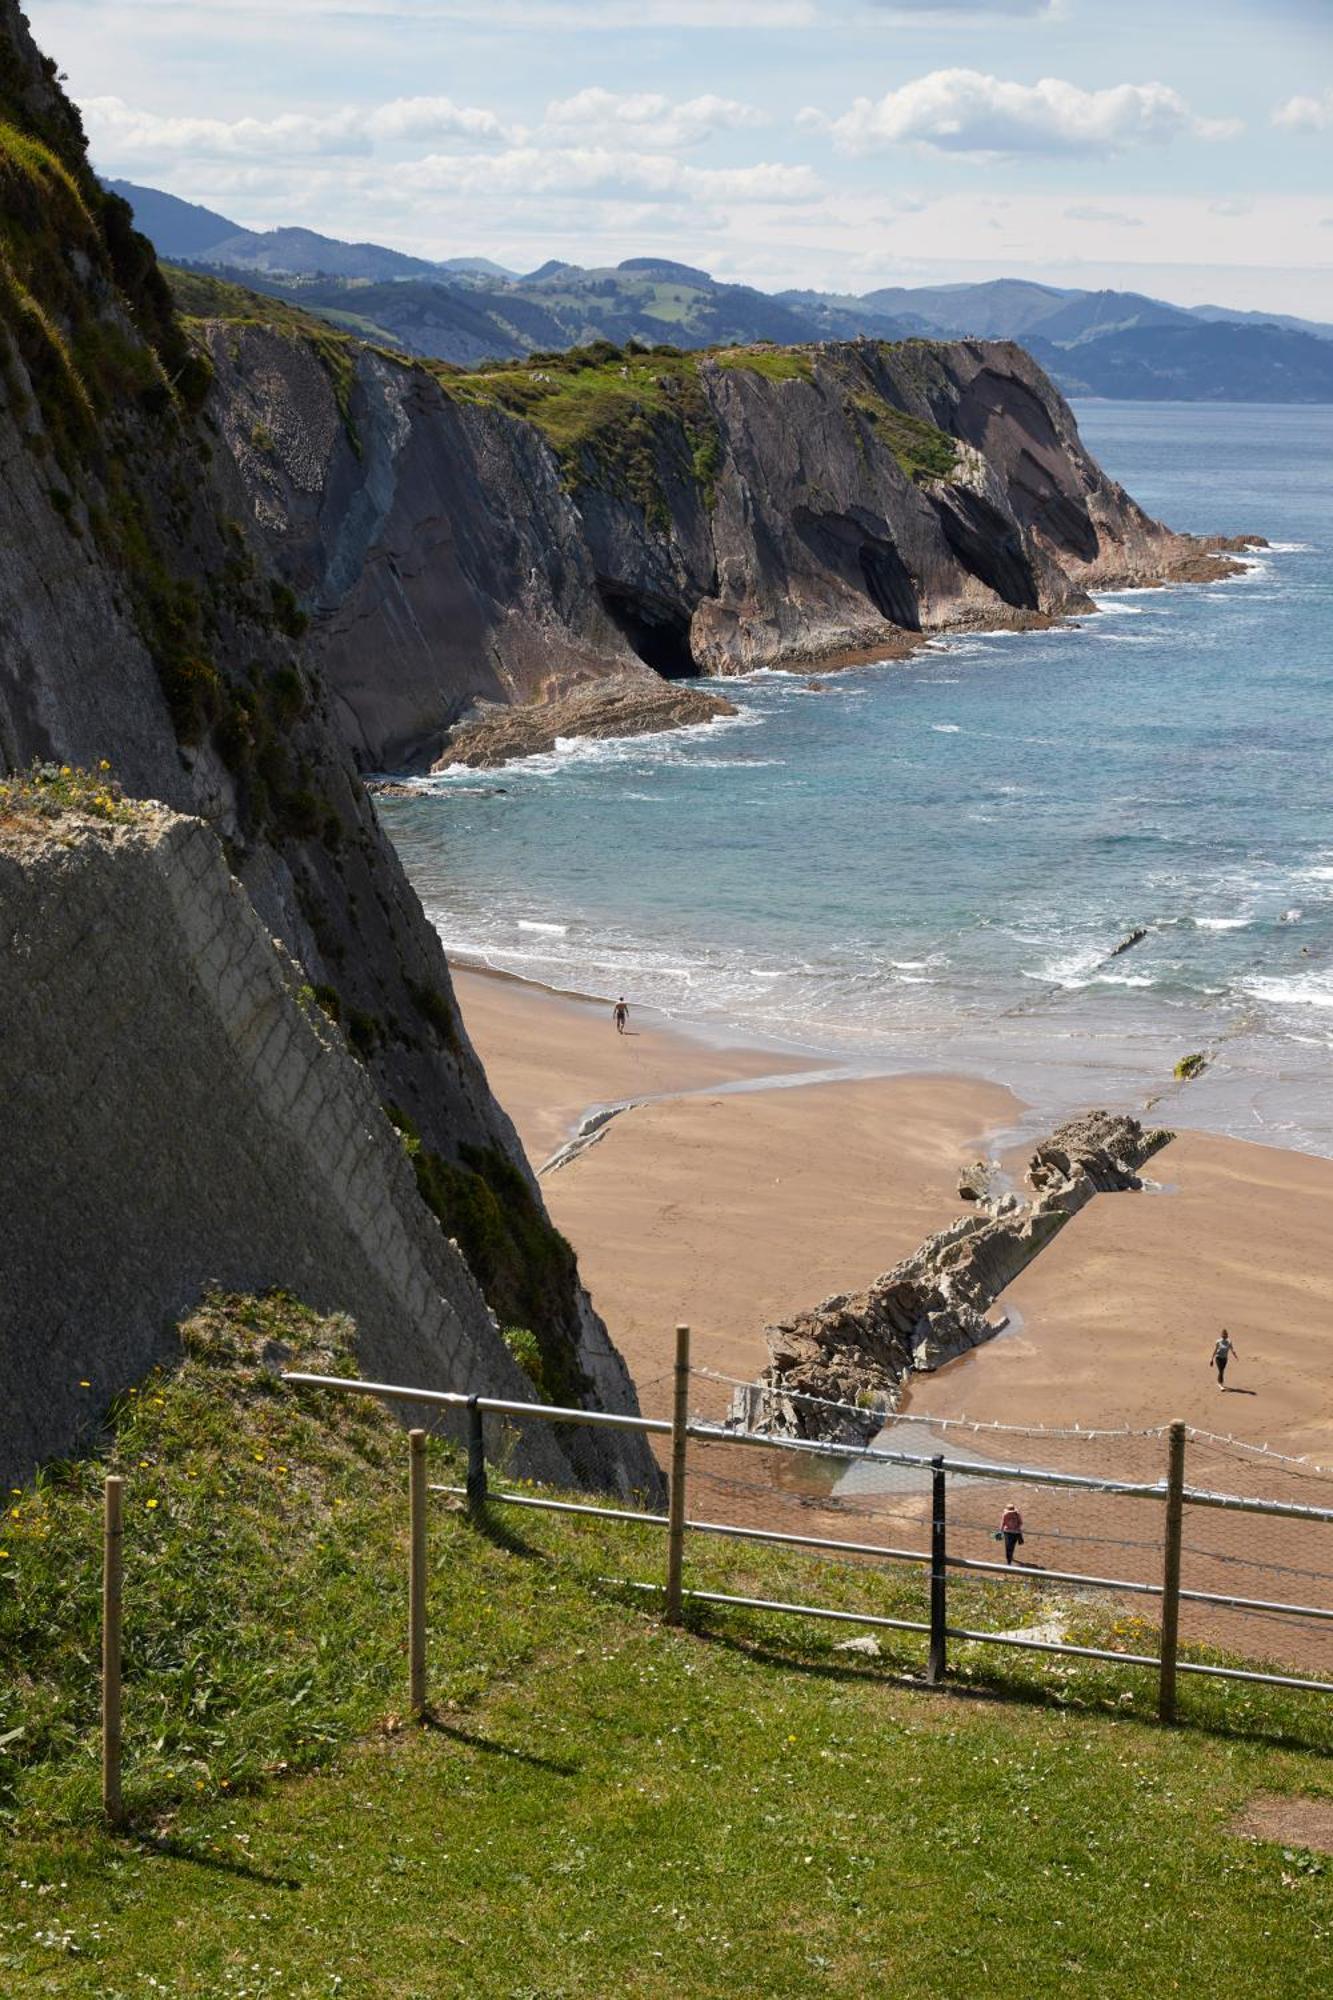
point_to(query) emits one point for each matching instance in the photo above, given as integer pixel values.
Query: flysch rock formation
(177, 1105)
(140, 623)
(459, 553)
(851, 1353)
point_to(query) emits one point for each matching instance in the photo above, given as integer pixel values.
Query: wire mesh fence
(1274, 1570)
(1106, 1521)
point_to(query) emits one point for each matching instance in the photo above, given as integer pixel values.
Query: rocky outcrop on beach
(510, 536)
(142, 627)
(835, 1371)
(633, 706)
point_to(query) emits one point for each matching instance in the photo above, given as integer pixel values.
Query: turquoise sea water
(929, 863)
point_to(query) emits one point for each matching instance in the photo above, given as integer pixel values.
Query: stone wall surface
(176, 1110)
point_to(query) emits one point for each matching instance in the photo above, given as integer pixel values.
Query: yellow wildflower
(150, 1504)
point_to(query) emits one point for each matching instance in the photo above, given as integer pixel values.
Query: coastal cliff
(141, 627)
(514, 535)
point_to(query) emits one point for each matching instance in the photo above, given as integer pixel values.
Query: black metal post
(939, 1595)
(476, 1456)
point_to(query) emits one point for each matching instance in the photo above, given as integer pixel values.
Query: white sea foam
(1220, 923)
(1301, 989)
(946, 728)
(1073, 971)
(545, 930)
(1292, 549)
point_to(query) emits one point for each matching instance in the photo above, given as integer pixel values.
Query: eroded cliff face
(140, 623)
(506, 537)
(178, 1106)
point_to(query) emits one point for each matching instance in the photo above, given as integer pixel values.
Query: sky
(1168, 146)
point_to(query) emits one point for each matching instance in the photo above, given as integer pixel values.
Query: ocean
(929, 864)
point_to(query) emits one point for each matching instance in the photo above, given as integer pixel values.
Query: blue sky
(1180, 148)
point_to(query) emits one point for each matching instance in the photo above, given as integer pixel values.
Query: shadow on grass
(493, 1749)
(171, 1848)
(488, 1522)
(999, 1688)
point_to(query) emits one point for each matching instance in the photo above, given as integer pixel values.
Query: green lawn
(600, 1806)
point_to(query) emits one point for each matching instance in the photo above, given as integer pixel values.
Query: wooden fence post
(113, 1541)
(939, 1576)
(476, 1457)
(416, 1580)
(680, 1416)
(1175, 1510)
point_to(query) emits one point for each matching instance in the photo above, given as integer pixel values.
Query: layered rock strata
(178, 1106)
(851, 1353)
(478, 540)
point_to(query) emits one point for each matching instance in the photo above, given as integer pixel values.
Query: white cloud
(606, 173)
(1306, 114)
(434, 118)
(1093, 212)
(119, 130)
(966, 111)
(648, 120)
(975, 10)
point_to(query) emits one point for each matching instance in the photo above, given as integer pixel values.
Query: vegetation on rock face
(50, 791)
(921, 450)
(524, 1266)
(630, 419)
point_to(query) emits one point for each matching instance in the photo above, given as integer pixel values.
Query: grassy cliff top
(605, 410)
(600, 1805)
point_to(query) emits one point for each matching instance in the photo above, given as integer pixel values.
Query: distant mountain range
(469, 309)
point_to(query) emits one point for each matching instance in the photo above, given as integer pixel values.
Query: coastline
(621, 706)
(740, 1188)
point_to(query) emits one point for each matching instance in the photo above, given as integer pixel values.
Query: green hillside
(598, 1806)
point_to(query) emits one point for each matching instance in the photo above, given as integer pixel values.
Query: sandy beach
(729, 1202)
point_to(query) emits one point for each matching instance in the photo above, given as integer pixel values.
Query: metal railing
(1171, 1493)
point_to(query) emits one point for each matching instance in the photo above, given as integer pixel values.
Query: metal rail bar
(964, 1469)
(1237, 1503)
(705, 1527)
(1140, 1660)
(982, 1638)
(1020, 1573)
(454, 1400)
(776, 1604)
(564, 1507)
(1014, 1573)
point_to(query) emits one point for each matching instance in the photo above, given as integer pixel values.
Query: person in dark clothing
(621, 1015)
(1010, 1531)
(1222, 1353)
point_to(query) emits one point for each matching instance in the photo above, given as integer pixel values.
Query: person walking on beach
(1222, 1353)
(621, 1015)
(1010, 1531)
